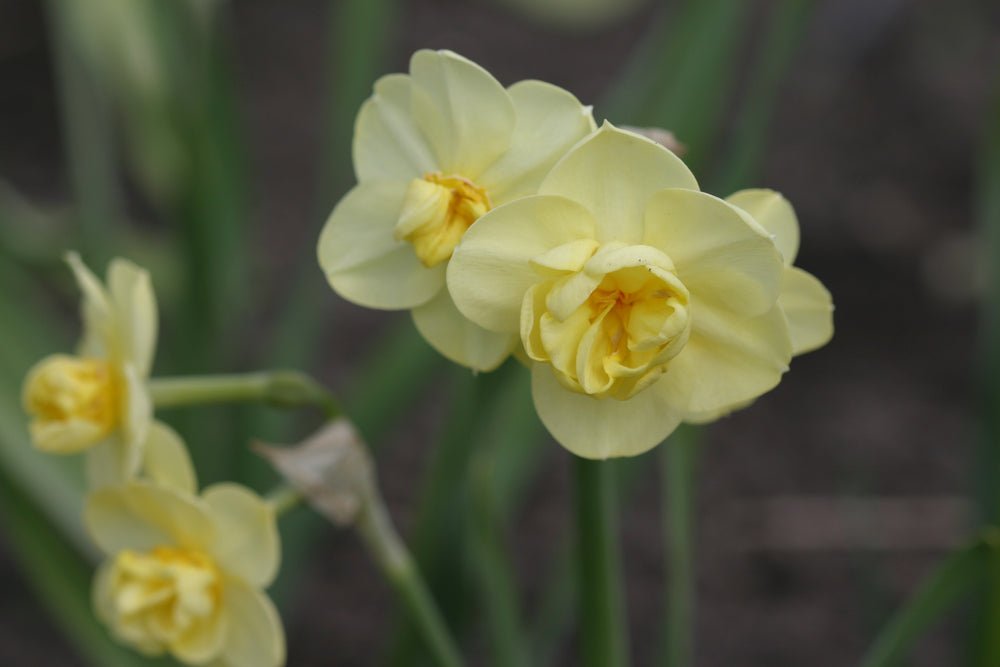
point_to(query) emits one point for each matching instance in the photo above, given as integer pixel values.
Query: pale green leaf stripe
(959, 575)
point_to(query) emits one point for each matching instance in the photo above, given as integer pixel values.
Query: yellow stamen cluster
(436, 212)
(619, 338)
(162, 599)
(70, 395)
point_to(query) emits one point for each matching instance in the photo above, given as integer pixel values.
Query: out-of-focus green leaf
(680, 77)
(777, 48)
(958, 576)
(987, 455)
(88, 134)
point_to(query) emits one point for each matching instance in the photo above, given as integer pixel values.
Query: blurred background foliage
(207, 140)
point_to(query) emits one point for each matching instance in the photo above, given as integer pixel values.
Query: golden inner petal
(64, 389)
(159, 597)
(621, 338)
(437, 209)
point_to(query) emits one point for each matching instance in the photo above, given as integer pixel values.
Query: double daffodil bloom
(184, 573)
(434, 150)
(98, 399)
(640, 300)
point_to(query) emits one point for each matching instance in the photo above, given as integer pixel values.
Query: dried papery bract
(665, 138)
(332, 470)
(335, 474)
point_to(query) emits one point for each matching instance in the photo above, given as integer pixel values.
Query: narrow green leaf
(88, 135)
(959, 575)
(987, 455)
(786, 29)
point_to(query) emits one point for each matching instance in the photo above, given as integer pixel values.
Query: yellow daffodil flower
(806, 303)
(434, 150)
(97, 399)
(639, 299)
(184, 573)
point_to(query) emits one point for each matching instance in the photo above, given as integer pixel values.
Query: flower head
(640, 300)
(434, 150)
(99, 397)
(184, 573)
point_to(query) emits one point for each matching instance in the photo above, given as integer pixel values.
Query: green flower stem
(285, 389)
(603, 639)
(284, 498)
(679, 455)
(380, 536)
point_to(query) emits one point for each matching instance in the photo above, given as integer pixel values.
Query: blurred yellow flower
(433, 151)
(98, 399)
(184, 574)
(640, 300)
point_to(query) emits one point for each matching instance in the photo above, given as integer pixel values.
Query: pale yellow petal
(141, 516)
(102, 593)
(491, 269)
(362, 260)
(205, 641)
(255, 637)
(388, 145)
(247, 544)
(67, 437)
(105, 464)
(99, 330)
(702, 418)
(602, 428)
(775, 214)
(550, 121)
(136, 417)
(729, 358)
(458, 338)
(720, 255)
(613, 173)
(465, 114)
(167, 461)
(134, 304)
(808, 307)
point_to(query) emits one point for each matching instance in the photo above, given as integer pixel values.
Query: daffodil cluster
(507, 223)
(184, 572)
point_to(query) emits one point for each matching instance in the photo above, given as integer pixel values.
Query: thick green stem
(381, 538)
(284, 498)
(678, 455)
(603, 639)
(285, 389)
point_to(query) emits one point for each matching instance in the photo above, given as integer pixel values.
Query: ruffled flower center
(437, 209)
(610, 327)
(163, 598)
(64, 392)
